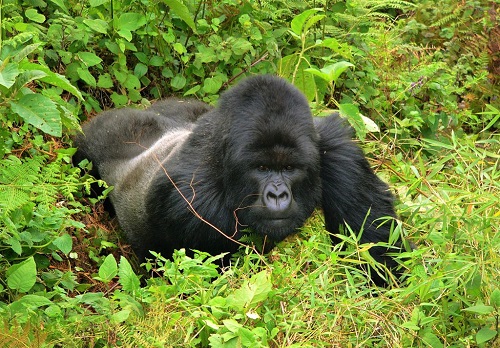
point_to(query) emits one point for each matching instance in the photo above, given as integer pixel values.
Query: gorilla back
(189, 176)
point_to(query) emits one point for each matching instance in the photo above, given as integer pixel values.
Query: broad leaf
(39, 111)
(253, 291)
(89, 58)
(480, 309)
(26, 77)
(97, 25)
(52, 78)
(33, 15)
(182, 11)
(95, 3)
(351, 112)
(8, 74)
(64, 243)
(108, 269)
(331, 73)
(298, 21)
(61, 5)
(34, 301)
(128, 279)
(485, 334)
(86, 76)
(22, 276)
(130, 21)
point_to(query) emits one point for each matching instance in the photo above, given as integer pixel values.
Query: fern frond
(453, 16)
(12, 198)
(36, 180)
(17, 179)
(15, 172)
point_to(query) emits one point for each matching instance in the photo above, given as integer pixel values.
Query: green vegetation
(420, 84)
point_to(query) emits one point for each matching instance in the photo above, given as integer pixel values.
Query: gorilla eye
(263, 169)
(288, 168)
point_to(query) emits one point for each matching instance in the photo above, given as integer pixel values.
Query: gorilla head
(271, 159)
(189, 176)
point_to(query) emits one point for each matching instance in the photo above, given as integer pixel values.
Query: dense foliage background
(420, 83)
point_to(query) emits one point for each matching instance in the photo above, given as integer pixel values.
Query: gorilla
(186, 175)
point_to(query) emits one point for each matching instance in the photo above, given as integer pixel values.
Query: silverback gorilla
(257, 161)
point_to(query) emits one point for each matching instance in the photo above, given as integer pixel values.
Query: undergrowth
(419, 83)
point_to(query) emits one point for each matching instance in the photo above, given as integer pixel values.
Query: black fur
(257, 161)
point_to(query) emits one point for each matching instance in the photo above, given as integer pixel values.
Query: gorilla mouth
(277, 229)
(279, 220)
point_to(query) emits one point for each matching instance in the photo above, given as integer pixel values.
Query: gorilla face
(275, 192)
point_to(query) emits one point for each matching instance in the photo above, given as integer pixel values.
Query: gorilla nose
(277, 197)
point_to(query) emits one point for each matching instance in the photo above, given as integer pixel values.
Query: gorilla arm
(351, 190)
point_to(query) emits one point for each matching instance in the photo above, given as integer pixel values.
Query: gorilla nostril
(277, 197)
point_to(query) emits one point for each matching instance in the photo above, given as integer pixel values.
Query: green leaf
(132, 82)
(351, 112)
(247, 337)
(28, 76)
(97, 25)
(192, 91)
(22, 276)
(298, 21)
(331, 43)
(25, 52)
(120, 317)
(126, 34)
(156, 61)
(485, 334)
(86, 76)
(53, 78)
(253, 291)
(64, 243)
(108, 269)
(182, 11)
(140, 70)
(53, 311)
(495, 298)
(33, 15)
(89, 58)
(232, 325)
(305, 82)
(119, 99)
(312, 20)
(212, 85)
(205, 54)
(128, 279)
(480, 309)
(240, 46)
(15, 245)
(432, 340)
(95, 3)
(130, 21)
(39, 111)
(60, 4)
(8, 74)
(179, 48)
(286, 65)
(34, 301)
(178, 82)
(331, 73)
(105, 81)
